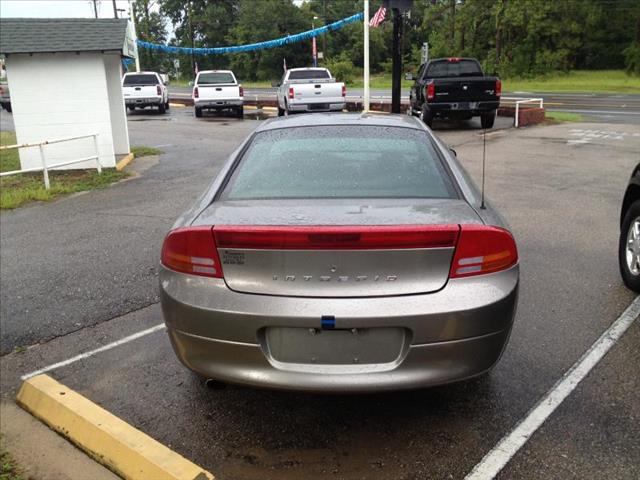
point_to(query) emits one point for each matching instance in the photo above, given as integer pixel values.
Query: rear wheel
(280, 111)
(487, 119)
(629, 247)
(240, 112)
(166, 105)
(198, 112)
(426, 116)
(161, 108)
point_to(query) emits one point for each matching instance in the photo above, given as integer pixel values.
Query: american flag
(378, 18)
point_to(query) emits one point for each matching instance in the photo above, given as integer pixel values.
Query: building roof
(47, 35)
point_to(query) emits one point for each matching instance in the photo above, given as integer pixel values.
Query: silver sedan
(340, 253)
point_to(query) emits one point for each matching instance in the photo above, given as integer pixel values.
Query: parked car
(218, 90)
(629, 244)
(340, 252)
(310, 90)
(455, 88)
(145, 89)
(5, 97)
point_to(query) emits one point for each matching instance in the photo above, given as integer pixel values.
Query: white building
(65, 80)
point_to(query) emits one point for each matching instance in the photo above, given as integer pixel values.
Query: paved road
(600, 107)
(559, 186)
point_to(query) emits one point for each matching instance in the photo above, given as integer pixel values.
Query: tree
(261, 20)
(151, 28)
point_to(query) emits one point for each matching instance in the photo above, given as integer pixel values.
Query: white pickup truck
(145, 89)
(310, 90)
(218, 90)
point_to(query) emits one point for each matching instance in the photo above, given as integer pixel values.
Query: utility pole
(396, 56)
(132, 15)
(193, 57)
(324, 35)
(115, 9)
(95, 8)
(365, 103)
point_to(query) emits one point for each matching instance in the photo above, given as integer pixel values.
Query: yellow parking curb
(110, 441)
(125, 161)
(179, 105)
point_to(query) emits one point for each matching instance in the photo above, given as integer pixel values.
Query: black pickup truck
(455, 88)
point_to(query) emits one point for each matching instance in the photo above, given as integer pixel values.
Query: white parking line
(90, 353)
(499, 456)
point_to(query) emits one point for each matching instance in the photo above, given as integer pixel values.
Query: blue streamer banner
(279, 42)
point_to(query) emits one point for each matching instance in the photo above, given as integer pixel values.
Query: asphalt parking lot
(94, 282)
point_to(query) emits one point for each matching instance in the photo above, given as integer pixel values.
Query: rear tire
(631, 220)
(280, 112)
(426, 116)
(161, 108)
(487, 119)
(198, 112)
(240, 112)
(166, 105)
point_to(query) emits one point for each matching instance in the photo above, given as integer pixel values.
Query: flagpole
(366, 56)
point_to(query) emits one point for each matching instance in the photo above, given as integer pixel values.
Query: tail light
(430, 92)
(453, 59)
(482, 250)
(241, 91)
(196, 94)
(192, 250)
(344, 90)
(498, 87)
(336, 238)
(158, 90)
(291, 92)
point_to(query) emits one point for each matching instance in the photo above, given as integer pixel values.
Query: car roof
(326, 119)
(306, 68)
(215, 71)
(141, 73)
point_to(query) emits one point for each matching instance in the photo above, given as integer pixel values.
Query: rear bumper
(461, 108)
(316, 107)
(143, 101)
(218, 104)
(453, 334)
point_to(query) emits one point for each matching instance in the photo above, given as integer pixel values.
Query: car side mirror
(275, 84)
(191, 84)
(408, 76)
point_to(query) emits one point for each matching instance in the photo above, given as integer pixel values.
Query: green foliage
(9, 159)
(143, 151)
(342, 68)
(563, 116)
(8, 468)
(512, 38)
(632, 58)
(16, 190)
(576, 81)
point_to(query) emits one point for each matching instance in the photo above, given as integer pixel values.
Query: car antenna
(484, 150)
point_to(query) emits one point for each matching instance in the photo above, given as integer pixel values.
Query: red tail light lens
(430, 92)
(498, 87)
(196, 94)
(291, 92)
(482, 250)
(192, 250)
(336, 238)
(158, 90)
(344, 91)
(241, 91)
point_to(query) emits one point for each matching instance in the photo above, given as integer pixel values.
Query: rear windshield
(340, 162)
(462, 68)
(308, 75)
(141, 79)
(215, 77)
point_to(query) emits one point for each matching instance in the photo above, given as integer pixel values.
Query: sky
(61, 8)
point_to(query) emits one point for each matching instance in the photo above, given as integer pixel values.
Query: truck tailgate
(218, 92)
(142, 91)
(465, 89)
(321, 92)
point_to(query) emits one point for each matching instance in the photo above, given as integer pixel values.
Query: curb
(109, 440)
(125, 161)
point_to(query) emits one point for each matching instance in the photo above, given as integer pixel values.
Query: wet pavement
(560, 187)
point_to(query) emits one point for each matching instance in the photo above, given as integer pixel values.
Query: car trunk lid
(381, 248)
